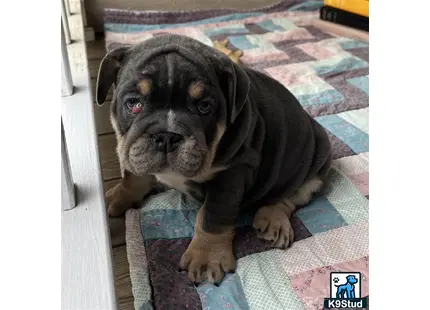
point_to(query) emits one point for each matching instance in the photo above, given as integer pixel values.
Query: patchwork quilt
(329, 76)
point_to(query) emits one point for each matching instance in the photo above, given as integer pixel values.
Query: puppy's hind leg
(304, 194)
(273, 221)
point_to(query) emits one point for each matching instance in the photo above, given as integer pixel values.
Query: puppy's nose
(167, 141)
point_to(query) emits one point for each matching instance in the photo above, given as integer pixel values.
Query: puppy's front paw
(208, 261)
(118, 201)
(273, 224)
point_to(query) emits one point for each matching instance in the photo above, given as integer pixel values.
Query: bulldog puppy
(228, 136)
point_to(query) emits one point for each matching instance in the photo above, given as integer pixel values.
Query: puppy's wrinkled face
(165, 112)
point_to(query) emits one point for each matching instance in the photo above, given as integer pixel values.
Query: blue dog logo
(347, 290)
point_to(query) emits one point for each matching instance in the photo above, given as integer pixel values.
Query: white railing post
(83, 13)
(65, 22)
(68, 198)
(67, 7)
(66, 75)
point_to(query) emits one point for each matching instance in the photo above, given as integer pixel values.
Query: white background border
(400, 154)
(30, 156)
(399, 160)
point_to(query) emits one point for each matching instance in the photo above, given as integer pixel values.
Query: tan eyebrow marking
(145, 86)
(195, 90)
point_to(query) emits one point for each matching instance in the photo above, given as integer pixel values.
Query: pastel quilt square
(361, 82)
(170, 289)
(328, 248)
(316, 50)
(228, 29)
(339, 148)
(346, 198)
(309, 89)
(351, 44)
(168, 224)
(263, 55)
(229, 294)
(361, 181)
(300, 230)
(356, 168)
(351, 165)
(359, 118)
(265, 284)
(169, 200)
(171, 215)
(320, 216)
(242, 42)
(284, 23)
(297, 75)
(261, 41)
(339, 63)
(324, 97)
(173, 224)
(356, 139)
(307, 84)
(290, 35)
(270, 26)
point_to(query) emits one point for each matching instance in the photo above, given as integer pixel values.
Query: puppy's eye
(204, 107)
(134, 105)
(131, 102)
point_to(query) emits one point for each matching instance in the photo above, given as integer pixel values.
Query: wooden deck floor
(111, 175)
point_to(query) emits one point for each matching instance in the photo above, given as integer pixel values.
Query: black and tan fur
(231, 137)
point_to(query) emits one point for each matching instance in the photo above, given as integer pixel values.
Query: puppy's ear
(108, 72)
(235, 84)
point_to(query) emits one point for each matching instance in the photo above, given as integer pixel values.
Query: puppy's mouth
(166, 151)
